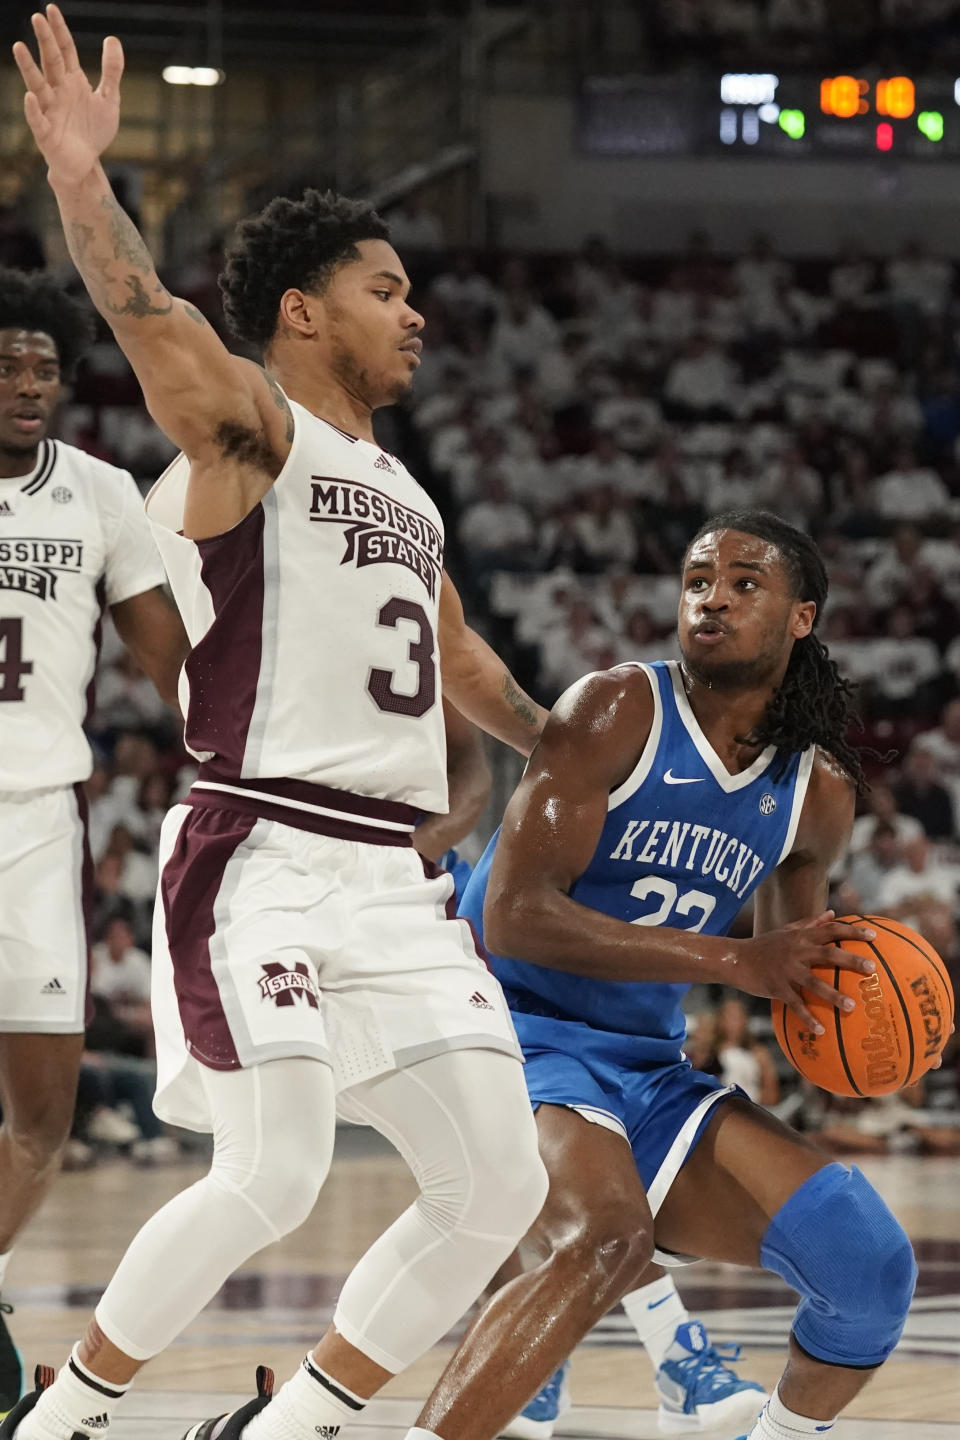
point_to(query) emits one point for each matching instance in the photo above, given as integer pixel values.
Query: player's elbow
(512, 921)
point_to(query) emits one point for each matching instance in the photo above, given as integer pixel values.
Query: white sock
(655, 1312)
(311, 1404)
(4, 1262)
(776, 1422)
(77, 1400)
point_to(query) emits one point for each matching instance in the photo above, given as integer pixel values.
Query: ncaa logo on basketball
(284, 986)
(767, 804)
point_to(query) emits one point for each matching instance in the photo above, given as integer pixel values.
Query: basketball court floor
(275, 1308)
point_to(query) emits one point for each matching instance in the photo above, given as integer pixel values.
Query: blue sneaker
(536, 1422)
(698, 1391)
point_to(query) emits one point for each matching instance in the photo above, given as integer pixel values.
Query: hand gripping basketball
(895, 1023)
(782, 964)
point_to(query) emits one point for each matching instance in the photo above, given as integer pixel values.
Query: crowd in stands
(744, 34)
(577, 418)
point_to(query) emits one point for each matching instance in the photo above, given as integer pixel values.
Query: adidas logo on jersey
(382, 463)
(478, 1002)
(53, 987)
(327, 1432)
(96, 1422)
(6, 508)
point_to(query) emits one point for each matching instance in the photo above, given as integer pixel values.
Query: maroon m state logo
(283, 986)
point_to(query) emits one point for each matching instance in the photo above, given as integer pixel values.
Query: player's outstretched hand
(780, 963)
(71, 122)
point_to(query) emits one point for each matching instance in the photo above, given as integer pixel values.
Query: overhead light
(192, 75)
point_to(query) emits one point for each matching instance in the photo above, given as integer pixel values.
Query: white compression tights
(464, 1125)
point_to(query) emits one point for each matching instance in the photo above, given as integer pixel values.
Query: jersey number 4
(12, 664)
(672, 902)
(420, 652)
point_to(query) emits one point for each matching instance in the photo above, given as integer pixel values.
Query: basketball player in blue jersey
(305, 958)
(660, 798)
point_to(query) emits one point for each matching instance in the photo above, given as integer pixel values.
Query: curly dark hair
(814, 703)
(290, 243)
(36, 302)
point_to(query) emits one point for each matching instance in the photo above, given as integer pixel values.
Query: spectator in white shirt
(921, 875)
(605, 530)
(523, 331)
(910, 491)
(762, 272)
(889, 577)
(632, 417)
(703, 384)
(872, 867)
(920, 279)
(496, 532)
(465, 294)
(121, 970)
(853, 278)
(902, 665)
(882, 810)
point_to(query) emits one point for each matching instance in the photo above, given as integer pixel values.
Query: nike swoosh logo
(653, 1304)
(671, 779)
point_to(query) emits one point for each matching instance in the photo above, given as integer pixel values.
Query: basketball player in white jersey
(302, 948)
(73, 540)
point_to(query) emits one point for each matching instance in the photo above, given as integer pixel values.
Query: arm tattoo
(138, 302)
(127, 243)
(518, 701)
(194, 313)
(280, 400)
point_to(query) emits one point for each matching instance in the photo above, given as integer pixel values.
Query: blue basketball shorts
(660, 1109)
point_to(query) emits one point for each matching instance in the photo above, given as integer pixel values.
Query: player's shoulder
(605, 701)
(90, 469)
(827, 815)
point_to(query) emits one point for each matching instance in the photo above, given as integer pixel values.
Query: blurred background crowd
(577, 415)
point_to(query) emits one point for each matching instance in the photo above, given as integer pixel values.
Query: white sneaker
(111, 1128)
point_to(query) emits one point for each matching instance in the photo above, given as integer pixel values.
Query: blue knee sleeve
(837, 1243)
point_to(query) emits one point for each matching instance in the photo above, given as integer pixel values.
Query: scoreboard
(792, 115)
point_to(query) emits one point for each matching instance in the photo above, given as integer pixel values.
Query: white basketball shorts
(46, 891)
(273, 940)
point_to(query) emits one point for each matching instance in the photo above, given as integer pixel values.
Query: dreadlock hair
(813, 705)
(290, 244)
(36, 302)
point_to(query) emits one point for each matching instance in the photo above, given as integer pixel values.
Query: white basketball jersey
(313, 624)
(73, 538)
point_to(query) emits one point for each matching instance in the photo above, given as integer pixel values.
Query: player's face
(373, 330)
(738, 617)
(29, 388)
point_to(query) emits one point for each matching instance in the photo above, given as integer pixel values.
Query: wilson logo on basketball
(932, 1015)
(879, 1044)
(284, 986)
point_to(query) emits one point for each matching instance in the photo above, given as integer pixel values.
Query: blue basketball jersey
(685, 844)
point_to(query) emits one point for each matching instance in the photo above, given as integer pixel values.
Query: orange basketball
(900, 1024)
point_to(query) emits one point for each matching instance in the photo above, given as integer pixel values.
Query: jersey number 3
(420, 652)
(672, 901)
(12, 664)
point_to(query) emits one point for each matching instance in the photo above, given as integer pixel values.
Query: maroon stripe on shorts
(304, 792)
(189, 886)
(340, 827)
(87, 888)
(224, 667)
(433, 872)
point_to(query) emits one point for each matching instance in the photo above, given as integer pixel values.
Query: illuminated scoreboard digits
(839, 113)
(912, 117)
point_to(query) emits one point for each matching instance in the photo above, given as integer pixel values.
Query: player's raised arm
(591, 743)
(479, 684)
(195, 390)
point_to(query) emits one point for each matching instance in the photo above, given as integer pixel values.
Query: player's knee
(610, 1245)
(39, 1130)
(516, 1197)
(279, 1177)
(837, 1242)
